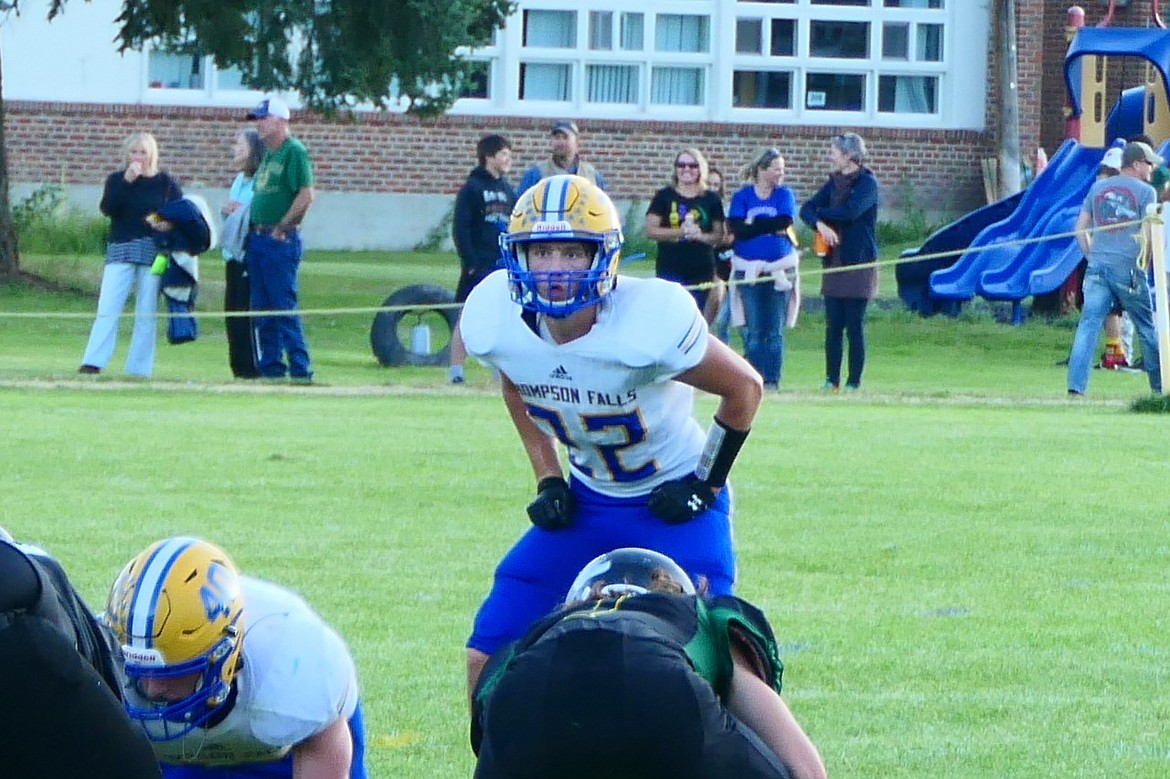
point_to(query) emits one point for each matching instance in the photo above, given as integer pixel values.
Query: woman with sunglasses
(686, 219)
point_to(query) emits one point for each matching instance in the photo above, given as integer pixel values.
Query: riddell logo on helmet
(552, 227)
(142, 656)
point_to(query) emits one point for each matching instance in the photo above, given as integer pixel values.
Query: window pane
(633, 38)
(840, 40)
(783, 37)
(175, 71)
(914, 3)
(476, 81)
(540, 81)
(761, 89)
(229, 79)
(550, 29)
(896, 41)
(678, 32)
(930, 43)
(787, 2)
(835, 92)
(612, 83)
(676, 86)
(749, 36)
(601, 30)
(841, 2)
(908, 94)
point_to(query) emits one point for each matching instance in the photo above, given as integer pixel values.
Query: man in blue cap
(283, 194)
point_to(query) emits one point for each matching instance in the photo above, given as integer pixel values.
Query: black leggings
(844, 316)
(57, 717)
(603, 703)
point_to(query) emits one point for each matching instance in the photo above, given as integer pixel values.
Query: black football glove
(554, 504)
(680, 500)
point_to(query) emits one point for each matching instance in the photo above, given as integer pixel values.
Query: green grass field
(967, 572)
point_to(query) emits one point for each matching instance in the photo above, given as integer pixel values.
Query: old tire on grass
(384, 333)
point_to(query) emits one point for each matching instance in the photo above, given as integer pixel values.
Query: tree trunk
(9, 252)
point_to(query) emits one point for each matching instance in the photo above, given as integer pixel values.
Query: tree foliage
(334, 53)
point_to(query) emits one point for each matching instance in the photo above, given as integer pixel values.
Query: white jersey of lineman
(608, 395)
(296, 679)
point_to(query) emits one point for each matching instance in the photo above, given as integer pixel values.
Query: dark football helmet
(630, 570)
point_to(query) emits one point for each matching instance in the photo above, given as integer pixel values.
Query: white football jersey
(297, 678)
(609, 396)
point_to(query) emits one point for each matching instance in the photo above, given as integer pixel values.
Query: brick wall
(389, 153)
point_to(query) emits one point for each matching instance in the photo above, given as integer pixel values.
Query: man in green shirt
(283, 194)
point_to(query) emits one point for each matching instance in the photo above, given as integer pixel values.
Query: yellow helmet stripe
(150, 584)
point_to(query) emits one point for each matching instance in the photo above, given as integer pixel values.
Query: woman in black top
(687, 221)
(131, 194)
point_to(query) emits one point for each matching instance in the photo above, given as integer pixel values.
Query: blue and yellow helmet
(177, 610)
(563, 208)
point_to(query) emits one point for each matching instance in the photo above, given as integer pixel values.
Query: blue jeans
(118, 278)
(1103, 287)
(273, 266)
(844, 317)
(764, 308)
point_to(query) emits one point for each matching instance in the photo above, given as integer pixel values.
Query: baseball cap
(270, 106)
(1112, 158)
(565, 126)
(1137, 151)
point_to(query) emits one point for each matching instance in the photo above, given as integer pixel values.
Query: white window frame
(209, 93)
(961, 73)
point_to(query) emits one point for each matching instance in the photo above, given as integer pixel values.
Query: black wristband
(551, 481)
(722, 447)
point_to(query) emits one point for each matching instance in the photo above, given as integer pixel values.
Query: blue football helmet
(177, 610)
(563, 208)
(629, 571)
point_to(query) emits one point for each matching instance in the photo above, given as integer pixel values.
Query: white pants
(117, 280)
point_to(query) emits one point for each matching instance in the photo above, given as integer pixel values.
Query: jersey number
(215, 595)
(611, 454)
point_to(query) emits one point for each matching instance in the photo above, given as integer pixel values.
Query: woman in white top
(241, 335)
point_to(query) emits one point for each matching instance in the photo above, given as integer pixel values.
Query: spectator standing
(1113, 274)
(639, 675)
(565, 140)
(130, 195)
(721, 321)
(606, 366)
(237, 294)
(844, 214)
(482, 210)
(60, 715)
(232, 677)
(283, 192)
(686, 220)
(765, 261)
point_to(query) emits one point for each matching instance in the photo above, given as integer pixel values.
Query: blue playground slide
(1054, 268)
(1048, 206)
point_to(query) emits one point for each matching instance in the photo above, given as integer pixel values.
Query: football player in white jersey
(232, 677)
(607, 366)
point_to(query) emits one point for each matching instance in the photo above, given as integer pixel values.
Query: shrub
(46, 225)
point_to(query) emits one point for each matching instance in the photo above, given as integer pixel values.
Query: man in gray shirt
(1112, 234)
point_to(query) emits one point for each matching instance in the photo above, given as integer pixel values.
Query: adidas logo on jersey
(560, 374)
